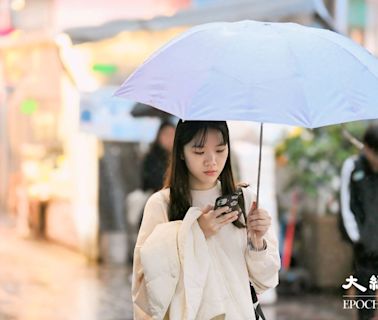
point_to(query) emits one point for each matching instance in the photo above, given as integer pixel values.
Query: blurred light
(295, 132)
(45, 120)
(106, 69)
(29, 106)
(40, 191)
(86, 116)
(16, 34)
(357, 13)
(357, 35)
(6, 31)
(17, 5)
(30, 170)
(77, 64)
(63, 40)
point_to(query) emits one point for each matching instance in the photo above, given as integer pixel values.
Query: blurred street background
(74, 160)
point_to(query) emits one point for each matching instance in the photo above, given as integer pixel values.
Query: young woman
(194, 262)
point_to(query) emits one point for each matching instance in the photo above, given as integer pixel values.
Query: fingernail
(254, 205)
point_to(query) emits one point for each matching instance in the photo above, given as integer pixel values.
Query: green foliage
(315, 157)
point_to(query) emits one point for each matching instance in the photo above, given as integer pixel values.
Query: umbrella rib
(206, 78)
(348, 52)
(308, 121)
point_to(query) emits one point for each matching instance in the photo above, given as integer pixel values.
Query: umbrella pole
(259, 168)
(258, 176)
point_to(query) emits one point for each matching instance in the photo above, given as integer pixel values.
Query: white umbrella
(267, 72)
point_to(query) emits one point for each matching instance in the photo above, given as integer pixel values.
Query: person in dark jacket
(154, 165)
(156, 160)
(359, 208)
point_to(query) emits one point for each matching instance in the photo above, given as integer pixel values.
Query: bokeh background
(71, 155)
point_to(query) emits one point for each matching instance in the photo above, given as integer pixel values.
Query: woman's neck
(202, 187)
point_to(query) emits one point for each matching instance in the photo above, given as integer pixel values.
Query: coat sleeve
(263, 266)
(347, 215)
(154, 214)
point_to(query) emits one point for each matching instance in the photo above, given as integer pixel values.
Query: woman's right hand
(211, 221)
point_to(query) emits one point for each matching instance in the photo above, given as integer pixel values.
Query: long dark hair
(177, 178)
(163, 125)
(371, 137)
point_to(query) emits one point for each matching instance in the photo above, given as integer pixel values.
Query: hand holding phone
(212, 221)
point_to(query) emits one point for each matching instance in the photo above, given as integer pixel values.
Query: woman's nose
(210, 158)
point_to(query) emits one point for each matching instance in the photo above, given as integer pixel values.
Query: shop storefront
(50, 163)
(46, 162)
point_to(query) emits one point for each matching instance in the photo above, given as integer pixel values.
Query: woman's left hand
(258, 223)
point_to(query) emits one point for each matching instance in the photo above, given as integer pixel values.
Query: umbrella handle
(258, 176)
(259, 168)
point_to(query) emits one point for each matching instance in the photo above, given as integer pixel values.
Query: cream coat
(178, 274)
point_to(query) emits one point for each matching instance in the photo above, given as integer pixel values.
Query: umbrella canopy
(267, 72)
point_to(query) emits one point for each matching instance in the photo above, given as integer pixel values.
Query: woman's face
(166, 138)
(206, 163)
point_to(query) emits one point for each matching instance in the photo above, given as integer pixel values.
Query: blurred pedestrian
(156, 160)
(359, 207)
(193, 261)
(118, 175)
(153, 169)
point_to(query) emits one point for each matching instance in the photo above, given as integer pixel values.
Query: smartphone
(230, 200)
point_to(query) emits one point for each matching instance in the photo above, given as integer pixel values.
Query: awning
(268, 10)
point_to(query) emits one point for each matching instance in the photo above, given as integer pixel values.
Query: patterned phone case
(230, 200)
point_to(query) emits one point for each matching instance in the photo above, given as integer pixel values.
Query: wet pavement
(45, 281)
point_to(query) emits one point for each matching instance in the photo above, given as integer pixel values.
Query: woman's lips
(211, 172)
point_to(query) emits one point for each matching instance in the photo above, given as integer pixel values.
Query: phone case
(230, 200)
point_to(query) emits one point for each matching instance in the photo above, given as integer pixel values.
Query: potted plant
(312, 162)
(314, 159)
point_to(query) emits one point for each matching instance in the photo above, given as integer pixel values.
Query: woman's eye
(220, 151)
(199, 152)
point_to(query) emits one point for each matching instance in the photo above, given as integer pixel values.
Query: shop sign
(109, 118)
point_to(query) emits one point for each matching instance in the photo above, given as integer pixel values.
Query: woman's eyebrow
(222, 144)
